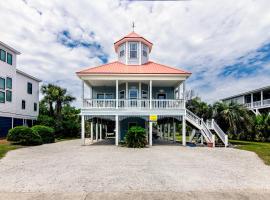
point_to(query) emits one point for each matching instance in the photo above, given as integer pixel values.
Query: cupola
(133, 49)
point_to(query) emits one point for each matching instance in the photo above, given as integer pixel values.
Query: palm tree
(233, 117)
(55, 96)
(261, 127)
(200, 108)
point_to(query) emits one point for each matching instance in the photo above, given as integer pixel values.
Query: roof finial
(133, 26)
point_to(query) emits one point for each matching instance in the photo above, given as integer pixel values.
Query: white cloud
(194, 35)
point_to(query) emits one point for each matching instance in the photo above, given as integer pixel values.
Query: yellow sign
(153, 118)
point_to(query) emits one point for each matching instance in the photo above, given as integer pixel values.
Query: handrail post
(116, 96)
(150, 95)
(226, 140)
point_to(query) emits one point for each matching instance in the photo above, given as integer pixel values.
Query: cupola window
(122, 50)
(133, 50)
(144, 51)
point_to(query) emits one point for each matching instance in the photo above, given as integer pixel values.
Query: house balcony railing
(258, 104)
(133, 103)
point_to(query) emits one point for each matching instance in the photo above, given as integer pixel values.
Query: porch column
(184, 131)
(140, 93)
(100, 131)
(82, 92)
(169, 131)
(12, 122)
(174, 130)
(83, 130)
(251, 100)
(161, 131)
(117, 94)
(150, 95)
(261, 98)
(116, 130)
(184, 94)
(126, 90)
(150, 133)
(96, 131)
(92, 131)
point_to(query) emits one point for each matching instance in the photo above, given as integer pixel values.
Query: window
(108, 96)
(144, 94)
(100, 96)
(29, 88)
(122, 50)
(2, 83)
(122, 94)
(133, 93)
(35, 106)
(2, 97)
(9, 58)
(144, 51)
(133, 50)
(9, 83)
(2, 55)
(23, 104)
(8, 95)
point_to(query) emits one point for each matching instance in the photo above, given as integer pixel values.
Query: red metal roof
(133, 37)
(120, 68)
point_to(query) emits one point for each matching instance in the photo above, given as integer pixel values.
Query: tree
(261, 127)
(200, 108)
(55, 95)
(56, 112)
(233, 118)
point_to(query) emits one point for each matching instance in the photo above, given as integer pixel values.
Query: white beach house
(19, 92)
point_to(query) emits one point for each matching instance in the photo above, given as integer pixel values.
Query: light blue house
(133, 90)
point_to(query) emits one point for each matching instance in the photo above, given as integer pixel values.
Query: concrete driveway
(70, 171)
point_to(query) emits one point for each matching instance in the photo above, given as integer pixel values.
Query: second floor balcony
(136, 95)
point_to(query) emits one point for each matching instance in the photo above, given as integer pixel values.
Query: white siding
(19, 91)
(30, 99)
(7, 70)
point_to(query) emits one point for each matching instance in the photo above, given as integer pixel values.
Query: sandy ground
(83, 172)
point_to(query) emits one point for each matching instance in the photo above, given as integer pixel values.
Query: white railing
(266, 102)
(135, 103)
(220, 132)
(200, 124)
(99, 103)
(257, 104)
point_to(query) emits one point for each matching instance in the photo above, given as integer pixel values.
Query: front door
(133, 97)
(161, 96)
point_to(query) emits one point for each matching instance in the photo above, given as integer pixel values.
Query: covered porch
(111, 130)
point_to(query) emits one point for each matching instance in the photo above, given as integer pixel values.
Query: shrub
(24, 136)
(136, 137)
(46, 133)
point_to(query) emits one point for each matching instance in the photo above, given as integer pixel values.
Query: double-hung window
(29, 88)
(8, 95)
(9, 83)
(2, 55)
(9, 58)
(23, 104)
(35, 106)
(133, 50)
(122, 50)
(144, 51)
(2, 97)
(2, 83)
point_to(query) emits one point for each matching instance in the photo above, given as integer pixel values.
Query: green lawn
(5, 146)
(262, 149)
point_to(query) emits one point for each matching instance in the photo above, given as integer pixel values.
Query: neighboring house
(19, 92)
(136, 91)
(255, 100)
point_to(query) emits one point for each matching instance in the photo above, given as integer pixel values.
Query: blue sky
(225, 45)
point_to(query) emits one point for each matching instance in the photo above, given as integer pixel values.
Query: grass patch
(6, 146)
(262, 149)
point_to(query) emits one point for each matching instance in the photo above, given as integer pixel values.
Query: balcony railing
(133, 103)
(257, 104)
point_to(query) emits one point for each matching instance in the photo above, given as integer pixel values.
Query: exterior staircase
(208, 129)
